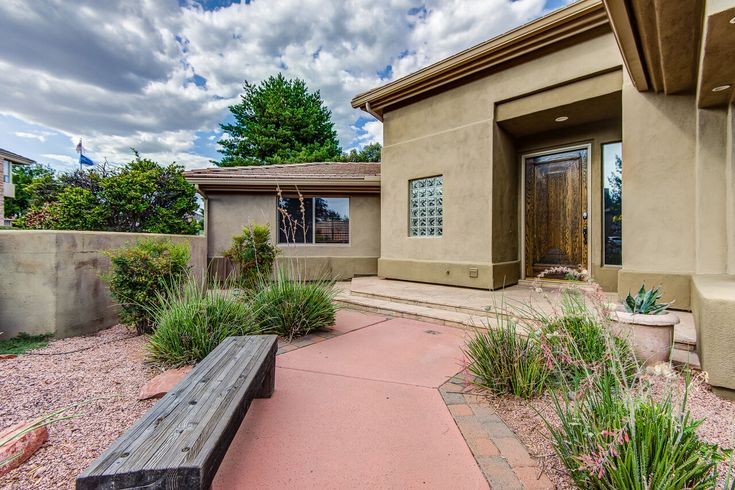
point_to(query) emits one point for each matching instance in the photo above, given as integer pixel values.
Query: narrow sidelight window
(426, 202)
(612, 203)
(313, 220)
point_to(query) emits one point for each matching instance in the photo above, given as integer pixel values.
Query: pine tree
(279, 121)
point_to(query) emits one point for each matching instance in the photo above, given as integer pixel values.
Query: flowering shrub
(566, 273)
(614, 437)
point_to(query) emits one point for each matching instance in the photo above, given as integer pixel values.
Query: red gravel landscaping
(106, 376)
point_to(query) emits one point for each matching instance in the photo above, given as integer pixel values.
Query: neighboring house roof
(582, 17)
(15, 158)
(288, 177)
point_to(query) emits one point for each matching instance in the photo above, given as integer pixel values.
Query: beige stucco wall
(677, 180)
(228, 213)
(713, 306)
(50, 279)
(453, 133)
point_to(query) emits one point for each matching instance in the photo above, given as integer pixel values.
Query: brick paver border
(502, 457)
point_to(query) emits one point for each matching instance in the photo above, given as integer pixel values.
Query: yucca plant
(646, 302)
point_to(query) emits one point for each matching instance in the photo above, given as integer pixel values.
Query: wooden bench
(180, 442)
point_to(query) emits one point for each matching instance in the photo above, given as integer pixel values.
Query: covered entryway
(556, 215)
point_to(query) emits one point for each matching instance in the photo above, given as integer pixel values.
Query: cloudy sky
(158, 75)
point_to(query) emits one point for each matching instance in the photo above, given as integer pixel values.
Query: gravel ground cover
(104, 372)
(522, 417)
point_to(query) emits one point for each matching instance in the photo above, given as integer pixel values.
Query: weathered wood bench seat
(180, 442)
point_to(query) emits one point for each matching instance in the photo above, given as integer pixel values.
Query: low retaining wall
(713, 307)
(49, 280)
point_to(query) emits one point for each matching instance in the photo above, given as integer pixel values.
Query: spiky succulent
(645, 302)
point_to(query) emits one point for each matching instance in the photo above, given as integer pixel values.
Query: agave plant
(645, 302)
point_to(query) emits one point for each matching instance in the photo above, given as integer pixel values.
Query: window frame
(408, 211)
(313, 242)
(603, 234)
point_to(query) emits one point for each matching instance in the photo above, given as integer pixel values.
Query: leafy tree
(141, 197)
(370, 153)
(23, 177)
(279, 121)
(79, 209)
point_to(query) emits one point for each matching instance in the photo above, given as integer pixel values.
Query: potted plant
(647, 324)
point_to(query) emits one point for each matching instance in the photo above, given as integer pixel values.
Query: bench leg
(269, 381)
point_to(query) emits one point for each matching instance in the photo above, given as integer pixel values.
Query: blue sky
(158, 75)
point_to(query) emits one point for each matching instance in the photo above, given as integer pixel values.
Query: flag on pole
(84, 160)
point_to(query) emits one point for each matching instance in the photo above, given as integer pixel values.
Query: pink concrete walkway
(360, 410)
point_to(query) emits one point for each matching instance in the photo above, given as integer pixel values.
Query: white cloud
(123, 75)
(40, 136)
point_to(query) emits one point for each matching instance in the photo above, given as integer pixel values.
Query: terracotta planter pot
(652, 336)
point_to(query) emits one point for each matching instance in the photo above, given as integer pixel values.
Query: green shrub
(24, 342)
(291, 308)
(503, 361)
(191, 321)
(611, 438)
(253, 254)
(139, 272)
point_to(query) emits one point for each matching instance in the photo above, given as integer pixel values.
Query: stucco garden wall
(452, 133)
(49, 280)
(230, 212)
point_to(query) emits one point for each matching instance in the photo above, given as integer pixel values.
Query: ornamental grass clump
(505, 362)
(614, 437)
(190, 321)
(139, 272)
(292, 307)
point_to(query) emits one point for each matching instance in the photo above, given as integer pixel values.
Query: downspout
(370, 111)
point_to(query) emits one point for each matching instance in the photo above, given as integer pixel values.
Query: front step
(458, 317)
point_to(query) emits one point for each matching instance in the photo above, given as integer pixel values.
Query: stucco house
(600, 135)
(7, 188)
(341, 213)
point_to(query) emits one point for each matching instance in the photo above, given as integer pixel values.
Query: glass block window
(426, 217)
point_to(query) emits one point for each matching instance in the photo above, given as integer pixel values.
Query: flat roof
(15, 158)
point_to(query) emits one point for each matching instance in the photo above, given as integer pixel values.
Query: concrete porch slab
(359, 410)
(465, 307)
(397, 351)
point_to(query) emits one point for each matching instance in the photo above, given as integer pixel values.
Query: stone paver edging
(503, 458)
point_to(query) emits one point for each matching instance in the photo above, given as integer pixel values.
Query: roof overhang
(15, 158)
(717, 74)
(365, 185)
(659, 41)
(583, 17)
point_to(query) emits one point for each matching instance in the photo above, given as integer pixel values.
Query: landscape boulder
(163, 383)
(23, 447)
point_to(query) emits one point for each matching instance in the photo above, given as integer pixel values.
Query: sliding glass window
(612, 203)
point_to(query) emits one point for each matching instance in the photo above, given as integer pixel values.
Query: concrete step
(683, 339)
(683, 352)
(422, 313)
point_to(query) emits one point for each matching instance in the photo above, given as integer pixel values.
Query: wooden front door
(556, 211)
